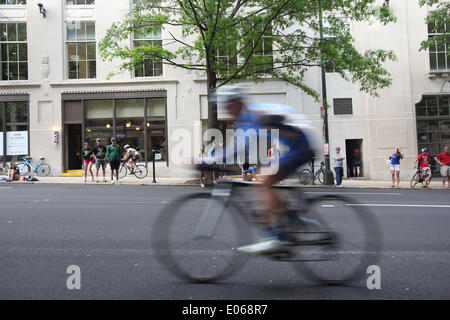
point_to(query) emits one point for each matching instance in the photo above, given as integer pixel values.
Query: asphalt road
(105, 230)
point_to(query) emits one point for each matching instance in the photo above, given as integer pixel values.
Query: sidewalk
(148, 181)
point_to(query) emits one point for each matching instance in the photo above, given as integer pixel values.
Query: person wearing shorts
(395, 166)
(113, 156)
(423, 162)
(100, 159)
(444, 160)
(88, 159)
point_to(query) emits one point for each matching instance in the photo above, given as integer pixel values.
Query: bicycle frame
(30, 162)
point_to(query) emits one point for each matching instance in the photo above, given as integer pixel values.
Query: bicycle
(139, 170)
(33, 166)
(306, 176)
(199, 245)
(4, 169)
(418, 177)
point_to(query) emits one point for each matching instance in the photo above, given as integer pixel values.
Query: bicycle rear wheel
(200, 245)
(305, 176)
(123, 171)
(24, 168)
(337, 240)
(140, 171)
(43, 170)
(415, 179)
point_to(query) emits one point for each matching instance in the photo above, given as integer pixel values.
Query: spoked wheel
(4, 170)
(320, 176)
(43, 170)
(196, 236)
(336, 240)
(24, 168)
(123, 171)
(305, 176)
(140, 171)
(415, 179)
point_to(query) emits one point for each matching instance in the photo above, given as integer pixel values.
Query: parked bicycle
(306, 175)
(333, 240)
(138, 170)
(419, 177)
(4, 168)
(31, 166)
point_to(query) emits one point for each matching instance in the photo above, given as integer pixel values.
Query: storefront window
(156, 126)
(130, 123)
(16, 118)
(99, 121)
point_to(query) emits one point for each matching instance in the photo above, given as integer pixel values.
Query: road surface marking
(399, 205)
(5, 187)
(355, 193)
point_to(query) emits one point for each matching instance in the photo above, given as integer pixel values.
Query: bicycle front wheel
(140, 171)
(415, 179)
(43, 170)
(123, 171)
(24, 168)
(337, 240)
(305, 176)
(196, 236)
(320, 176)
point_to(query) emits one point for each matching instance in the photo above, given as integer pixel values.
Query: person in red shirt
(444, 160)
(424, 165)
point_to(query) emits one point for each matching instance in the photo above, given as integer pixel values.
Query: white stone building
(52, 79)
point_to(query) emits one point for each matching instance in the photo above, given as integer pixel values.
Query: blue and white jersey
(255, 116)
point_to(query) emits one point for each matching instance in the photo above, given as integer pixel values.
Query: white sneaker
(264, 246)
(202, 185)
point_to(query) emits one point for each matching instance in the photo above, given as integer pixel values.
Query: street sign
(326, 149)
(157, 156)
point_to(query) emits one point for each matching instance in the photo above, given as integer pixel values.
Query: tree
(230, 41)
(438, 21)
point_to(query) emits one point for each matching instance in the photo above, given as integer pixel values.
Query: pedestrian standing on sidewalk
(202, 155)
(113, 156)
(339, 166)
(88, 159)
(395, 166)
(100, 159)
(356, 163)
(444, 160)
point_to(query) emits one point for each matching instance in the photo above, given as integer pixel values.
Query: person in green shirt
(113, 156)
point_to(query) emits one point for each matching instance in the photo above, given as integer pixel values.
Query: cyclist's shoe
(112, 181)
(104, 180)
(267, 245)
(97, 181)
(117, 181)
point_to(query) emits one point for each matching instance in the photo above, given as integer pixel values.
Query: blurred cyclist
(296, 133)
(131, 157)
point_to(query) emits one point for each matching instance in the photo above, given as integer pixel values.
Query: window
(329, 67)
(13, 51)
(433, 124)
(15, 115)
(439, 52)
(262, 58)
(148, 68)
(75, 2)
(13, 2)
(343, 106)
(81, 50)
(225, 63)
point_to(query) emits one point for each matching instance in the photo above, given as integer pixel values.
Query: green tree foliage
(229, 41)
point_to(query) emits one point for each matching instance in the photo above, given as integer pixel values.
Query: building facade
(54, 94)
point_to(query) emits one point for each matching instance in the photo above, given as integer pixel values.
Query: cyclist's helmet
(127, 146)
(425, 150)
(229, 93)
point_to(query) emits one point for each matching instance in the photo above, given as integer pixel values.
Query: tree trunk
(212, 104)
